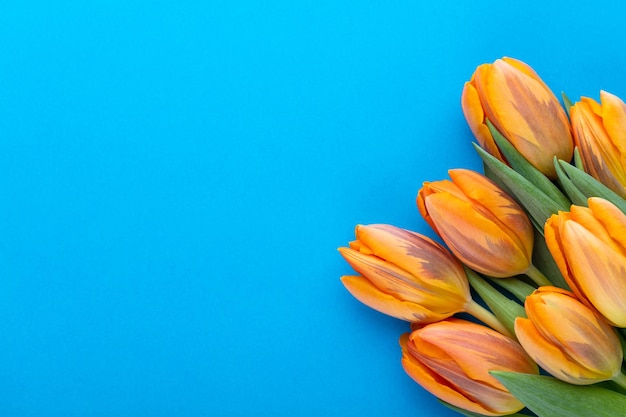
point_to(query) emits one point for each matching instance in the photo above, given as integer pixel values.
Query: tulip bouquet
(521, 309)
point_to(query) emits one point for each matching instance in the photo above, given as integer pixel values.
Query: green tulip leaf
(591, 187)
(521, 165)
(538, 205)
(493, 177)
(578, 160)
(567, 103)
(543, 260)
(518, 288)
(577, 196)
(549, 397)
(505, 309)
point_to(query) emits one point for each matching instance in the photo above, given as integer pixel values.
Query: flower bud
(589, 247)
(568, 339)
(452, 360)
(484, 227)
(405, 275)
(520, 105)
(600, 135)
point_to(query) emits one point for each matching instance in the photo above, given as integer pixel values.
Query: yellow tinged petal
(404, 286)
(526, 113)
(496, 205)
(581, 333)
(466, 341)
(549, 356)
(416, 254)
(602, 156)
(594, 106)
(475, 239)
(364, 291)
(438, 386)
(525, 68)
(552, 234)
(475, 116)
(601, 270)
(614, 118)
(585, 217)
(421, 206)
(613, 220)
(442, 372)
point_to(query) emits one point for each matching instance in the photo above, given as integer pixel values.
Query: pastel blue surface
(175, 178)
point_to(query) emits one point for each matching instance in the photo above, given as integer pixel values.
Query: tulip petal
(552, 235)
(586, 218)
(549, 356)
(601, 270)
(497, 205)
(601, 155)
(580, 333)
(526, 113)
(418, 255)
(454, 391)
(475, 116)
(614, 119)
(525, 68)
(394, 281)
(364, 291)
(465, 342)
(428, 188)
(475, 239)
(613, 220)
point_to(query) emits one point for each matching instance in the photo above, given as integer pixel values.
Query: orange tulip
(405, 275)
(568, 339)
(520, 105)
(589, 247)
(600, 135)
(452, 360)
(484, 227)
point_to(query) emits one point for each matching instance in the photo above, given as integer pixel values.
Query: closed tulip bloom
(510, 94)
(568, 339)
(589, 247)
(452, 360)
(484, 227)
(600, 135)
(405, 275)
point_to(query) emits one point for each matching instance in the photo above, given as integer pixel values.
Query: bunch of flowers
(534, 251)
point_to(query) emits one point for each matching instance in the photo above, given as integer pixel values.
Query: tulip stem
(487, 317)
(620, 379)
(537, 276)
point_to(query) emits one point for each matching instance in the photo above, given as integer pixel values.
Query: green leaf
(493, 177)
(515, 286)
(574, 194)
(505, 309)
(578, 161)
(543, 260)
(549, 397)
(472, 414)
(521, 165)
(538, 205)
(567, 103)
(591, 187)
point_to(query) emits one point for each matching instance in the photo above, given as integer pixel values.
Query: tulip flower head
(483, 226)
(568, 339)
(405, 275)
(452, 360)
(511, 95)
(589, 247)
(600, 135)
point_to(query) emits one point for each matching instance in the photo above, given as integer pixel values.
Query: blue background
(175, 178)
